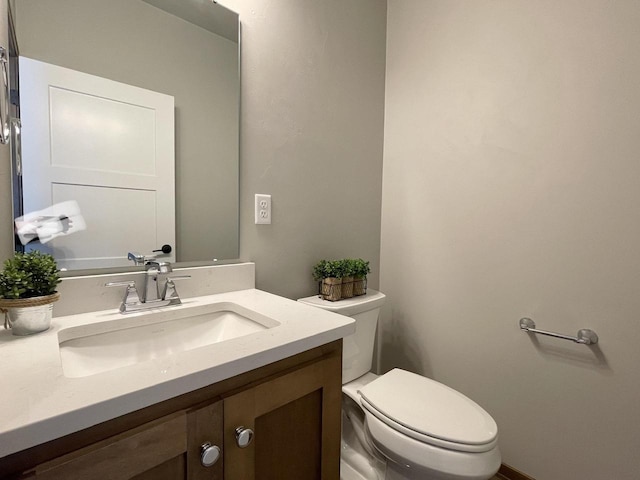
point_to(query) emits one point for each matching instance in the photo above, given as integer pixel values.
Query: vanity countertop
(39, 403)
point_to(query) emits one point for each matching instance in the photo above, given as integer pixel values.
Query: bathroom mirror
(185, 52)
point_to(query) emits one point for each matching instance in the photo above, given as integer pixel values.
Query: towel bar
(584, 337)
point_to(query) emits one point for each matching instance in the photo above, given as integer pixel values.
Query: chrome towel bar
(584, 337)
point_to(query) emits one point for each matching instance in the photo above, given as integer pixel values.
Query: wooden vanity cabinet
(291, 406)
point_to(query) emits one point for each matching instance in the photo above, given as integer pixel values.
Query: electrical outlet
(263, 209)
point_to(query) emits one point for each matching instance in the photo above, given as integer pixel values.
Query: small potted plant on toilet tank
(27, 292)
(360, 271)
(329, 274)
(348, 272)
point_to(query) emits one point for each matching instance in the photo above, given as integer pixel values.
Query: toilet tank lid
(348, 306)
(430, 408)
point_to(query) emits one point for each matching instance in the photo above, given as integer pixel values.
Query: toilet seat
(450, 419)
(429, 460)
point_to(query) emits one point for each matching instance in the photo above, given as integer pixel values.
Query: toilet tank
(357, 350)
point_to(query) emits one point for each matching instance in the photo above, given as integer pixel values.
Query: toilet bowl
(400, 425)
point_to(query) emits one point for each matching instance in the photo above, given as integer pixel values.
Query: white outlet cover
(262, 209)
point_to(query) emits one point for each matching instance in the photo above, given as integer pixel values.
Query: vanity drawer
(125, 456)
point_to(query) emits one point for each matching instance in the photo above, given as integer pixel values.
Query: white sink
(106, 345)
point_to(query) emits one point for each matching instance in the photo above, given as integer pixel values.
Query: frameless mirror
(129, 131)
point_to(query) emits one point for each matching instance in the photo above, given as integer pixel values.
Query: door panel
(99, 247)
(289, 444)
(92, 133)
(75, 125)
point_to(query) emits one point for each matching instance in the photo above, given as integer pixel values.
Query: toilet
(400, 425)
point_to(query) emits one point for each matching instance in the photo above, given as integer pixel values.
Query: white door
(109, 147)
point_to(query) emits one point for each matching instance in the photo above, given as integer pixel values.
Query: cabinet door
(295, 418)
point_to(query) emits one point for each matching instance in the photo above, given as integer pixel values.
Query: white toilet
(402, 426)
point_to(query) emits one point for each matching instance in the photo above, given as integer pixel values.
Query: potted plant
(360, 271)
(348, 272)
(329, 274)
(27, 292)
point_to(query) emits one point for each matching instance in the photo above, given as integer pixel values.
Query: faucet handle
(170, 292)
(131, 296)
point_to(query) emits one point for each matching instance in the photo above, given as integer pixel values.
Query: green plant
(27, 275)
(348, 266)
(360, 267)
(327, 269)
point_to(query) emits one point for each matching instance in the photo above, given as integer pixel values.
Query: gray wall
(135, 43)
(511, 189)
(311, 136)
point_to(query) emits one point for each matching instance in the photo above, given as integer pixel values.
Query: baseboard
(509, 473)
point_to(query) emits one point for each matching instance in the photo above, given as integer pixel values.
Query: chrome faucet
(154, 293)
(153, 271)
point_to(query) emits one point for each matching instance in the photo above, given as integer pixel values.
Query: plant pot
(347, 287)
(359, 286)
(331, 289)
(26, 316)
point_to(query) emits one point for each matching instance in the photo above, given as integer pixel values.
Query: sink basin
(102, 346)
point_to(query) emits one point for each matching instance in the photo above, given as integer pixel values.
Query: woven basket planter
(331, 289)
(25, 316)
(347, 287)
(359, 286)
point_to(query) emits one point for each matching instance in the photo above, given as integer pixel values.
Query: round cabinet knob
(209, 454)
(244, 436)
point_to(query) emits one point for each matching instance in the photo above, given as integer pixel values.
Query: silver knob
(209, 454)
(244, 436)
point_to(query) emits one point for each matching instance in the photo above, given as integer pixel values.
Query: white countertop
(38, 403)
